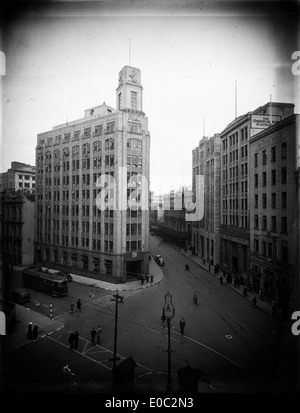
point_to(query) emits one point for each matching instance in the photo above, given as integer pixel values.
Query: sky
(64, 57)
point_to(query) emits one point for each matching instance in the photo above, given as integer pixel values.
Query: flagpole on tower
(235, 99)
(129, 50)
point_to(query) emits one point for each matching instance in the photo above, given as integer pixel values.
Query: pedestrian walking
(71, 340)
(78, 304)
(254, 300)
(182, 325)
(151, 278)
(29, 331)
(99, 331)
(163, 318)
(221, 280)
(245, 291)
(35, 332)
(93, 335)
(147, 277)
(72, 308)
(76, 339)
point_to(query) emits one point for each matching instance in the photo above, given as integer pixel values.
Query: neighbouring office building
(92, 212)
(175, 226)
(235, 188)
(17, 228)
(20, 177)
(274, 212)
(206, 232)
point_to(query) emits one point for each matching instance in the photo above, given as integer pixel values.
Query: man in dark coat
(35, 332)
(71, 340)
(78, 304)
(93, 335)
(76, 339)
(29, 331)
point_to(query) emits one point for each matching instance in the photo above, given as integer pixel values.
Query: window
(274, 229)
(264, 248)
(264, 200)
(87, 132)
(255, 160)
(110, 127)
(283, 175)
(273, 154)
(256, 221)
(264, 223)
(273, 198)
(98, 129)
(264, 157)
(284, 225)
(133, 100)
(256, 180)
(283, 200)
(255, 201)
(284, 251)
(273, 175)
(283, 150)
(264, 180)
(256, 245)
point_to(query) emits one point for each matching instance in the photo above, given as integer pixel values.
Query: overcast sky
(61, 60)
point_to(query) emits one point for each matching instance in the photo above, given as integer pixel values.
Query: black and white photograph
(149, 187)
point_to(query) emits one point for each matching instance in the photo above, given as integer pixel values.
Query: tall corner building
(92, 175)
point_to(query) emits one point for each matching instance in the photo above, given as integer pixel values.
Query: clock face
(132, 76)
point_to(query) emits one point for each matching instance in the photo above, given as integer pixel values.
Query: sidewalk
(18, 336)
(154, 270)
(264, 304)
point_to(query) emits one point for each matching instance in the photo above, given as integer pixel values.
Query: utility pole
(118, 299)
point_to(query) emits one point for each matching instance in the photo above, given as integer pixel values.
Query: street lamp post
(118, 299)
(169, 312)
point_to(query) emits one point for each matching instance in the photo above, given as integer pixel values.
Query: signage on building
(263, 121)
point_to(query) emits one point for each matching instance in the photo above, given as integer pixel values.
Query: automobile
(20, 296)
(159, 259)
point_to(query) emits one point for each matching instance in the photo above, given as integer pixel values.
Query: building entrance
(133, 269)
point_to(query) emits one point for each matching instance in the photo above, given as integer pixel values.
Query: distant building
(274, 212)
(91, 227)
(20, 177)
(235, 227)
(206, 232)
(17, 228)
(175, 228)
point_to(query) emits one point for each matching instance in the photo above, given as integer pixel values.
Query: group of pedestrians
(32, 331)
(74, 340)
(96, 334)
(148, 278)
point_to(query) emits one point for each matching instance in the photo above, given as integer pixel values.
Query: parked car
(159, 259)
(20, 296)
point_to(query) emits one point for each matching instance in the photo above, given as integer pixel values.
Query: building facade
(175, 227)
(206, 233)
(20, 177)
(235, 202)
(17, 228)
(92, 195)
(274, 212)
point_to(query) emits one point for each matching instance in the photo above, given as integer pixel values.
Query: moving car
(20, 296)
(159, 260)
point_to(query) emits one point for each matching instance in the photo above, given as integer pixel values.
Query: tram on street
(40, 279)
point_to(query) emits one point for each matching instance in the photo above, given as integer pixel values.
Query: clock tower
(130, 91)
